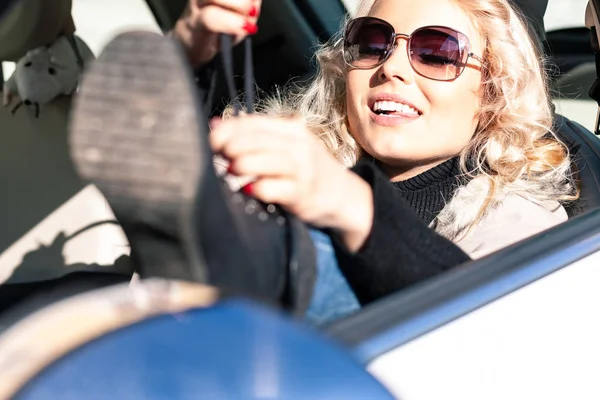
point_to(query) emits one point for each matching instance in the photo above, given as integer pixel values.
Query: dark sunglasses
(435, 52)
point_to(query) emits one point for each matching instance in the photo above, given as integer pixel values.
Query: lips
(391, 98)
(387, 109)
(391, 107)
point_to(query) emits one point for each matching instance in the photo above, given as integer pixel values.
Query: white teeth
(392, 106)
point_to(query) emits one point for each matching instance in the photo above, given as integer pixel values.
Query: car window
(574, 58)
(97, 22)
(350, 5)
(562, 14)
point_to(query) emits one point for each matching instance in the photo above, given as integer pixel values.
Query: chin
(400, 151)
(403, 154)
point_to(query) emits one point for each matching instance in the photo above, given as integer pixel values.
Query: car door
(520, 324)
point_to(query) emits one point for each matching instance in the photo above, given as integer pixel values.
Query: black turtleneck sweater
(401, 249)
(428, 192)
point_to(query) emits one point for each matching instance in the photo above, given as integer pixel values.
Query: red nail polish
(250, 28)
(230, 169)
(248, 189)
(253, 12)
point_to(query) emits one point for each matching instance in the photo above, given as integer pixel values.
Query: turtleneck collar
(447, 171)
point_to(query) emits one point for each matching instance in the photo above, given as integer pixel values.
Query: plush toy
(46, 73)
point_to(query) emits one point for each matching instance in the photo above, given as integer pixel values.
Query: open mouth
(392, 108)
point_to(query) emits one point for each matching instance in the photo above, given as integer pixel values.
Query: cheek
(455, 105)
(472, 92)
(354, 95)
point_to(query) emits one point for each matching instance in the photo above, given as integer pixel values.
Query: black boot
(138, 132)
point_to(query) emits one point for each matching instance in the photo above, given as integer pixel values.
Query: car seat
(583, 144)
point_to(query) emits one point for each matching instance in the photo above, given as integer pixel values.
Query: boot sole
(135, 134)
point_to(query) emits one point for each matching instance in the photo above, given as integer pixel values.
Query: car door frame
(407, 315)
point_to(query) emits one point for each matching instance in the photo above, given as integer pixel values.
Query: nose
(397, 66)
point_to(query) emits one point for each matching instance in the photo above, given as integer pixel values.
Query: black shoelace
(227, 57)
(297, 294)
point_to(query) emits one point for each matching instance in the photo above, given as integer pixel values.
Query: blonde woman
(445, 99)
(477, 109)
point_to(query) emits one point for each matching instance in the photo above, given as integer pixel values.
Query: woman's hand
(291, 167)
(203, 20)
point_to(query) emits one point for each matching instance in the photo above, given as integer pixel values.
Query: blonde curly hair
(514, 147)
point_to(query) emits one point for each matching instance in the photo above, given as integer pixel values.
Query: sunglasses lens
(367, 42)
(438, 53)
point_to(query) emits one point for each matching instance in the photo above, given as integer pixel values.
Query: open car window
(563, 14)
(97, 23)
(569, 44)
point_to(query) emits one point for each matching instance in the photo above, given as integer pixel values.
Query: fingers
(274, 191)
(253, 133)
(219, 20)
(248, 8)
(199, 27)
(233, 17)
(250, 142)
(267, 163)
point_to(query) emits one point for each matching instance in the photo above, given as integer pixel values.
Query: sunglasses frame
(394, 45)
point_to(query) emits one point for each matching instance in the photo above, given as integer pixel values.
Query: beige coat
(511, 217)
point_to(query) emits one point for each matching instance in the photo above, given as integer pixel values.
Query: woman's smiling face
(437, 118)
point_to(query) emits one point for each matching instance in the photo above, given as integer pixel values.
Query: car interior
(50, 215)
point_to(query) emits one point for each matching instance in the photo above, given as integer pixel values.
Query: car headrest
(29, 24)
(533, 11)
(592, 18)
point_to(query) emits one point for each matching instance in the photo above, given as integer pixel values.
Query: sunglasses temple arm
(475, 56)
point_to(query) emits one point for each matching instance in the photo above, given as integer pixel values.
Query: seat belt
(592, 21)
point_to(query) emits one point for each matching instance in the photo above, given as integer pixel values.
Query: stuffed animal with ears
(47, 72)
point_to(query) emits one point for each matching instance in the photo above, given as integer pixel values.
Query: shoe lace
(252, 206)
(227, 58)
(299, 286)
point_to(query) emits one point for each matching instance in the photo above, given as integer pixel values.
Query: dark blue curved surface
(234, 350)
